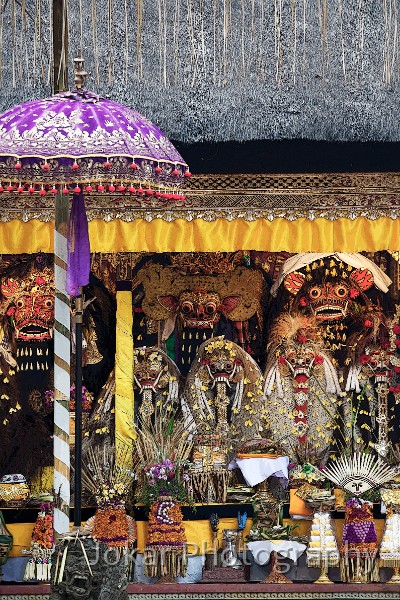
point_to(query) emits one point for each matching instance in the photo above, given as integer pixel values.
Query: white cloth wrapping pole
(262, 550)
(257, 470)
(61, 368)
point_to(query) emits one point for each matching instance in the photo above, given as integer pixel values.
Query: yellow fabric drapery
(124, 374)
(300, 235)
(17, 237)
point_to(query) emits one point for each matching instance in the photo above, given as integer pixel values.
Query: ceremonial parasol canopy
(76, 140)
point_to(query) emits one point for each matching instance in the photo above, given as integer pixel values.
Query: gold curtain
(300, 235)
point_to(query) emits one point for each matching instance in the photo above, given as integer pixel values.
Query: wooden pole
(61, 368)
(78, 412)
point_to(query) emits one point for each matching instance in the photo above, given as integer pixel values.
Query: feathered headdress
(359, 473)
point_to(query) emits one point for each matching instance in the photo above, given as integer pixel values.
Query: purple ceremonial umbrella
(77, 138)
(75, 142)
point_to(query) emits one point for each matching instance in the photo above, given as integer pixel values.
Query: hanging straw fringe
(165, 561)
(359, 569)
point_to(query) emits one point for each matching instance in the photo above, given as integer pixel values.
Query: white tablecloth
(256, 470)
(262, 550)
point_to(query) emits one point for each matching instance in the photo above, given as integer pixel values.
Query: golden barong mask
(200, 298)
(199, 308)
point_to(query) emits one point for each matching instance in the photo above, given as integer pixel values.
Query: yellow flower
(248, 423)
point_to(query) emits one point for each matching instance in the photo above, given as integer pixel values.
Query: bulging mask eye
(341, 291)
(187, 308)
(209, 309)
(315, 292)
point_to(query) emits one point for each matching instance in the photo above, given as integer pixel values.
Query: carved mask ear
(229, 303)
(294, 282)
(169, 302)
(363, 278)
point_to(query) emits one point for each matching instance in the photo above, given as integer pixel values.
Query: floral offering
(359, 547)
(42, 545)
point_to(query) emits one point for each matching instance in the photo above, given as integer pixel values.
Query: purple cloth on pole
(78, 266)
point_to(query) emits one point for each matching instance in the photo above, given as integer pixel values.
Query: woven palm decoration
(359, 473)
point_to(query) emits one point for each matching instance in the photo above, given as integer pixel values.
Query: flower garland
(42, 545)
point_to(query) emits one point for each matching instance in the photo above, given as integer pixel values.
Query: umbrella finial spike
(80, 73)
